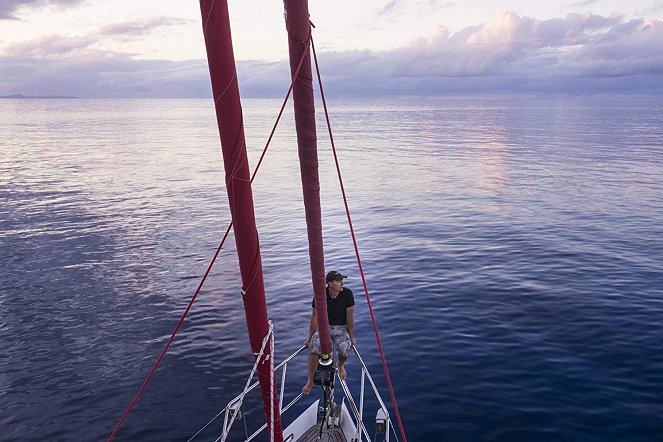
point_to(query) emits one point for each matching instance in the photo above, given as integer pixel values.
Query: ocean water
(513, 248)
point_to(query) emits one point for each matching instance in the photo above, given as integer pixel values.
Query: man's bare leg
(341, 370)
(313, 360)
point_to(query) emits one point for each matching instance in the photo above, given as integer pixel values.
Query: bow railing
(384, 425)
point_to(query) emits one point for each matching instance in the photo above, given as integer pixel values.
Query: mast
(221, 60)
(298, 26)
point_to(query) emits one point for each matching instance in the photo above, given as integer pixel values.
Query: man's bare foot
(342, 373)
(307, 388)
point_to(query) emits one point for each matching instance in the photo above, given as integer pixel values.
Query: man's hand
(307, 342)
(353, 341)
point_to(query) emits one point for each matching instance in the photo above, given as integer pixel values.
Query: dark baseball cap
(335, 276)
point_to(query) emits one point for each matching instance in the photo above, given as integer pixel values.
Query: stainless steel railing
(356, 411)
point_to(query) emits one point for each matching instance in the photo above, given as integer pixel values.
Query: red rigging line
(148, 378)
(356, 247)
(170, 340)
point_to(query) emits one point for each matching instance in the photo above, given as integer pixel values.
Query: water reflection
(516, 240)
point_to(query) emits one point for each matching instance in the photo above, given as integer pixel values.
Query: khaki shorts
(340, 339)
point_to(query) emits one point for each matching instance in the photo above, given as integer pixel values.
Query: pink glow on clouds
(579, 53)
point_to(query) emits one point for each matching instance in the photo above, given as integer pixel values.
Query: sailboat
(338, 415)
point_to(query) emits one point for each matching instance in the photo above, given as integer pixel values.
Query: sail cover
(221, 60)
(298, 26)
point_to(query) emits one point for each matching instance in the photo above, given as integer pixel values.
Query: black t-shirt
(336, 307)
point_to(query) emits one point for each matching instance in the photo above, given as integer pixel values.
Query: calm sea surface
(513, 249)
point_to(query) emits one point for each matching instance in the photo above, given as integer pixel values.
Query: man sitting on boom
(341, 314)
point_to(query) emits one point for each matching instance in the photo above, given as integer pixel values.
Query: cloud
(9, 7)
(104, 75)
(513, 53)
(50, 46)
(582, 4)
(65, 65)
(654, 9)
(422, 6)
(386, 9)
(140, 27)
(435, 4)
(55, 45)
(579, 53)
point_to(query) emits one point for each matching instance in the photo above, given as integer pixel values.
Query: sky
(150, 48)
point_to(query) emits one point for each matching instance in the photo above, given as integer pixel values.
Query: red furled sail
(298, 26)
(221, 60)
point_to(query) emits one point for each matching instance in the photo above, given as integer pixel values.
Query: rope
(354, 240)
(209, 267)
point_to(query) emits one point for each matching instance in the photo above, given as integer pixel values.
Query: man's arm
(350, 314)
(311, 327)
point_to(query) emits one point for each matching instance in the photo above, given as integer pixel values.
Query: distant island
(30, 97)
